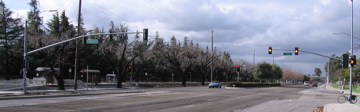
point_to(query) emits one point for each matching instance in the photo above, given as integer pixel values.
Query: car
(313, 85)
(214, 84)
(306, 83)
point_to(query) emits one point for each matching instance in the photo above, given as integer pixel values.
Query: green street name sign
(287, 53)
(92, 41)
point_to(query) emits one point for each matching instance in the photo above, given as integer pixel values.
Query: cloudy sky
(244, 28)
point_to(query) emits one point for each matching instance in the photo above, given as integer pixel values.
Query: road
(184, 99)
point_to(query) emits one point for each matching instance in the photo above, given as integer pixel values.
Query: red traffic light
(129, 67)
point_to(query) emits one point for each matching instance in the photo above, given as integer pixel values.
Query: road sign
(287, 53)
(92, 41)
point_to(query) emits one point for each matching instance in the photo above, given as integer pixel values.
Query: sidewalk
(346, 107)
(18, 94)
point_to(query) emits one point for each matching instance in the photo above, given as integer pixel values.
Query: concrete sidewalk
(345, 107)
(18, 94)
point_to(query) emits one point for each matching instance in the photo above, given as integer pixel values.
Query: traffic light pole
(328, 75)
(351, 46)
(71, 39)
(238, 76)
(309, 53)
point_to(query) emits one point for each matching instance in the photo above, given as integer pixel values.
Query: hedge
(251, 84)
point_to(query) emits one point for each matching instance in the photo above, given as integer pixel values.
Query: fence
(18, 83)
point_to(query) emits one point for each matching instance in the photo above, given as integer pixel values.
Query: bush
(251, 84)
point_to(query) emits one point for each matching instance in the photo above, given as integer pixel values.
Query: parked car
(313, 85)
(306, 83)
(214, 84)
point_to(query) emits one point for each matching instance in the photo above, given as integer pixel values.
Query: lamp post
(351, 44)
(25, 49)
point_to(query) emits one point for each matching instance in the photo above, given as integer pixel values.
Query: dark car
(313, 85)
(214, 84)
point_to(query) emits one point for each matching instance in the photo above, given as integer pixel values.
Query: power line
(115, 14)
(178, 15)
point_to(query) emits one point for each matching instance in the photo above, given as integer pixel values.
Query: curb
(65, 95)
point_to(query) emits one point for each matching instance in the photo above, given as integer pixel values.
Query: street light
(25, 49)
(338, 33)
(351, 44)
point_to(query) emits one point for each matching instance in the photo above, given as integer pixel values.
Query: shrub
(251, 84)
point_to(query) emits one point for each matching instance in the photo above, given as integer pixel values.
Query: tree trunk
(119, 81)
(183, 79)
(120, 78)
(60, 78)
(202, 80)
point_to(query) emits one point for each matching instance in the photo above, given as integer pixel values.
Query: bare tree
(119, 52)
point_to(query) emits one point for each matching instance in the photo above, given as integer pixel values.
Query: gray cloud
(241, 27)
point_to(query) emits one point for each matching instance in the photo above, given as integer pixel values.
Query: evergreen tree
(10, 44)
(34, 20)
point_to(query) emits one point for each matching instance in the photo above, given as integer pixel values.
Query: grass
(347, 87)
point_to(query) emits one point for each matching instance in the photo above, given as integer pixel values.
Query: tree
(263, 71)
(202, 65)
(246, 71)
(119, 53)
(34, 30)
(317, 71)
(10, 44)
(35, 21)
(335, 66)
(293, 76)
(276, 72)
(179, 59)
(58, 56)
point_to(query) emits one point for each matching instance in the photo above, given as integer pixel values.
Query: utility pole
(328, 73)
(77, 49)
(212, 53)
(254, 57)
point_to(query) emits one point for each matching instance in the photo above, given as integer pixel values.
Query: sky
(244, 28)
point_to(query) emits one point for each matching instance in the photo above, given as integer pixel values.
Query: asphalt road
(181, 99)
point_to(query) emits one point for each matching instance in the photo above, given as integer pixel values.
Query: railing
(18, 83)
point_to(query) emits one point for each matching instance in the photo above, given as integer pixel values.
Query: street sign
(92, 41)
(287, 53)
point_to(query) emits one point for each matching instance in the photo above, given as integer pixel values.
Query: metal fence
(18, 83)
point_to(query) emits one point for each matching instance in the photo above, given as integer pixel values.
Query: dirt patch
(319, 108)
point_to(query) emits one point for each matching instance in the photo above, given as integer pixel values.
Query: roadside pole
(238, 76)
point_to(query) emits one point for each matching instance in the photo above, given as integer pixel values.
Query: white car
(306, 83)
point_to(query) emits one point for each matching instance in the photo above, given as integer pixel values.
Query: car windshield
(215, 82)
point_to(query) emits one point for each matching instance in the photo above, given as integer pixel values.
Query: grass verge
(347, 87)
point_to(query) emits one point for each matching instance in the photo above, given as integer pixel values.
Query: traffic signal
(238, 68)
(345, 60)
(23, 63)
(353, 60)
(270, 50)
(145, 34)
(130, 67)
(296, 50)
